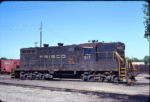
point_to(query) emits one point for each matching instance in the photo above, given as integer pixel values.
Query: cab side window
(87, 53)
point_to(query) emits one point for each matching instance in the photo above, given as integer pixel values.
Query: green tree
(3, 58)
(146, 11)
(146, 59)
(147, 28)
(135, 60)
(127, 58)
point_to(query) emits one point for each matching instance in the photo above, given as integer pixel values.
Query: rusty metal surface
(88, 45)
(72, 57)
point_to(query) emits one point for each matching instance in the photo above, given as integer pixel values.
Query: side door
(88, 58)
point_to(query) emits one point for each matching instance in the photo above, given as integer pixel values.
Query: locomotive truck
(94, 61)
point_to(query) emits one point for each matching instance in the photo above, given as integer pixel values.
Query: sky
(72, 22)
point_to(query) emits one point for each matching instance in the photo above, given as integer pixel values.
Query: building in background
(138, 63)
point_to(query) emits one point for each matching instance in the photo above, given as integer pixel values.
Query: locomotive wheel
(29, 77)
(26, 78)
(37, 77)
(109, 78)
(115, 79)
(33, 76)
(101, 79)
(47, 76)
(84, 78)
(22, 77)
(91, 78)
(51, 77)
(105, 79)
(42, 77)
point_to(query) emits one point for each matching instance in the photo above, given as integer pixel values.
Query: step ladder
(122, 74)
(123, 70)
(122, 67)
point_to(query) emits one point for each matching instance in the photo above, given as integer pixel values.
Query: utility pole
(41, 35)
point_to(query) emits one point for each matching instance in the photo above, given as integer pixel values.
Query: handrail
(117, 54)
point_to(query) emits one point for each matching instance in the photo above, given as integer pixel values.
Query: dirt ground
(101, 92)
(19, 94)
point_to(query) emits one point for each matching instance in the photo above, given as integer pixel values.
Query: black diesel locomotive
(95, 61)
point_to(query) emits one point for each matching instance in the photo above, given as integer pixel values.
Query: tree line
(146, 59)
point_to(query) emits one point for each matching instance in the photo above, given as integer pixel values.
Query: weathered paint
(82, 57)
(8, 65)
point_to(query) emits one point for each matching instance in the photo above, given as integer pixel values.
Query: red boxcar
(7, 66)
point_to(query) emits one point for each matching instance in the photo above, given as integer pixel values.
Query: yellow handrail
(117, 54)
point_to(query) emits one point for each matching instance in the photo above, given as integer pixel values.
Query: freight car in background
(141, 67)
(7, 66)
(95, 61)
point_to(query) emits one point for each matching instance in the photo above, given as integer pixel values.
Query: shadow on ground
(100, 94)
